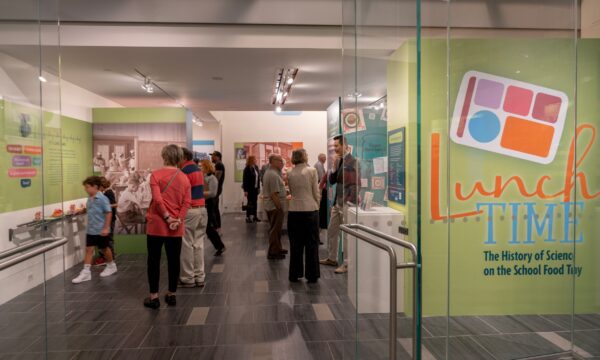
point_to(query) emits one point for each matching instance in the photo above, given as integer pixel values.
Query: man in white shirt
(320, 166)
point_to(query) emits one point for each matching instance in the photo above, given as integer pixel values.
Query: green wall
(453, 248)
(138, 115)
(66, 159)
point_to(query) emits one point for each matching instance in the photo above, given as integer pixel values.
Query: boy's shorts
(99, 241)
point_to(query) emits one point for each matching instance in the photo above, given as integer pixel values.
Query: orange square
(527, 136)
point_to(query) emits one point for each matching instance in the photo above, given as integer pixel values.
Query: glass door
(509, 199)
(471, 127)
(377, 116)
(32, 256)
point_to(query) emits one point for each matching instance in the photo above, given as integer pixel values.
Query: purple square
(489, 93)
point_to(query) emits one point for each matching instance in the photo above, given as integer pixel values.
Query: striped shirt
(196, 181)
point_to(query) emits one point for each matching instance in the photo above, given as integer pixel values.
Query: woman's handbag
(245, 204)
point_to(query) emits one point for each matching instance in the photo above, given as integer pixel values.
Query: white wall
(208, 131)
(309, 127)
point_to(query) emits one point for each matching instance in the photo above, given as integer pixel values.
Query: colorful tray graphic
(509, 117)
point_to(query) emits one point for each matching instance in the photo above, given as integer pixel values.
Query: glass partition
(377, 115)
(503, 163)
(490, 111)
(31, 206)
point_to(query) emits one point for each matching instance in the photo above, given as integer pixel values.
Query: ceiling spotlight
(278, 109)
(42, 79)
(148, 86)
(284, 78)
(381, 105)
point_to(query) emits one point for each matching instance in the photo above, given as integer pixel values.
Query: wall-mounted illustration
(262, 151)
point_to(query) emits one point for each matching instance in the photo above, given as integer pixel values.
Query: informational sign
(397, 165)
(510, 185)
(35, 145)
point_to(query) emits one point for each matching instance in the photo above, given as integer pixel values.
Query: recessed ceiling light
(42, 79)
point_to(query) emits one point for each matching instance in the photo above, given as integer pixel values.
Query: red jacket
(175, 200)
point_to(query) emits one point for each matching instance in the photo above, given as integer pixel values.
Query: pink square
(518, 100)
(546, 107)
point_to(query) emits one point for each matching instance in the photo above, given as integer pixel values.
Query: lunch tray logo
(509, 117)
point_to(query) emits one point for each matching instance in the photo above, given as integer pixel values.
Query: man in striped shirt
(192, 249)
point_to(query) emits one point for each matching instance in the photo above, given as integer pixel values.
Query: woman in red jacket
(171, 199)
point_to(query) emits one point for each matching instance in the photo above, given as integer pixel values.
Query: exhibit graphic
(262, 151)
(126, 154)
(498, 114)
(353, 120)
(26, 137)
(203, 148)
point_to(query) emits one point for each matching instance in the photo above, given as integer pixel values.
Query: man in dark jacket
(251, 186)
(345, 176)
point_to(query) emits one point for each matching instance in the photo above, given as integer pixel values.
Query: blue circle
(484, 126)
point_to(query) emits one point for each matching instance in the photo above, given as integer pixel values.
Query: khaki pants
(333, 234)
(276, 223)
(192, 249)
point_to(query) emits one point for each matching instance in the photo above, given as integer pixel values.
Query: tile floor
(248, 310)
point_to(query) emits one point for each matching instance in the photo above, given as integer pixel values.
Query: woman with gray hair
(303, 219)
(171, 199)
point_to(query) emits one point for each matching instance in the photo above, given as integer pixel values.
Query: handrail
(21, 248)
(52, 244)
(405, 244)
(352, 229)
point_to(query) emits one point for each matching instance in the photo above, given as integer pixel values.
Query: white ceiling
(183, 44)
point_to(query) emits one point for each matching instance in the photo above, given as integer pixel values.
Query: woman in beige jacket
(303, 219)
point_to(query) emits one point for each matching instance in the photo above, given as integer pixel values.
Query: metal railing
(355, 230)
(40, 246)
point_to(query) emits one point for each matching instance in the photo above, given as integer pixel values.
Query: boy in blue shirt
(99, 216)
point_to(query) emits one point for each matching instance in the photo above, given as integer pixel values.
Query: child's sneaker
(84, 275)
(110, 269)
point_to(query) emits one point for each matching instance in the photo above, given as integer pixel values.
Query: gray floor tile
(459, 325)
(587, 340)
(78, 342)
(222, 352)
(231, 334)
(144, 354)
(321, 330)
(94, 355)
(579, 322)
(517, 346)
(177, 335)
(17, 345)
(461, 347)
(368, 349)
(230, 315)
(521, 323)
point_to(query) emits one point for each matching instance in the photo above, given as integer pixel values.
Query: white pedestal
(369, 266)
